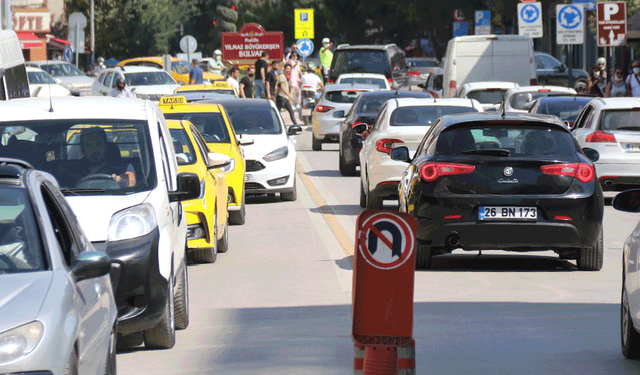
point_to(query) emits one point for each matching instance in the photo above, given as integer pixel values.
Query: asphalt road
(279, 302)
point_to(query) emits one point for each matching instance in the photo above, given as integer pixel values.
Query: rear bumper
(618, 176)
(387, 190)
(326, 128)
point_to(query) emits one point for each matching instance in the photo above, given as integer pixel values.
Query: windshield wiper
(628, 128)
(81, 191)
(488, 151)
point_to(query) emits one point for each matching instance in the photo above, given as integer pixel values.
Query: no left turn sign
(386, 241)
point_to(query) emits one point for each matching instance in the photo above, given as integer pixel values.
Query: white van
(115, 163)
(480, 58)
(13, 74)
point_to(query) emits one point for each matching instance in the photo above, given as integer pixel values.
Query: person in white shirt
(633, 82)
(216, 65)
(234, 73)
(310, 78)
(121, 91)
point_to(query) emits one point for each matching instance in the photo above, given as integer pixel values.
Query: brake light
(414, 74)
(544, 90)
(329, 80)
(356, 123)
(533, 81)
(453, 88)
(449, 217)
(600, 136)
(582, 171)
(390, 80)
(387, 144)
(431, 171)
(567, 218)
(323, 108)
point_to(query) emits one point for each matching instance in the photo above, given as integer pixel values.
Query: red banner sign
(247, 45)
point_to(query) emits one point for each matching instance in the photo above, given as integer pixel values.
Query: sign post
(303, 23)
(530, 19)
(570, 22)
(383, 283)
(77, 23)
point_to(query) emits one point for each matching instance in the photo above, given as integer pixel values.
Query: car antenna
(50, 100)
(504, 109)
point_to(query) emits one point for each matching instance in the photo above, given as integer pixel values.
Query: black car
(361, 116)
(550, 71)
(515, 182)
(566, 107)
(382, 59)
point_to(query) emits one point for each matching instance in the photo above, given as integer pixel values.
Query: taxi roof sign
(173, 100)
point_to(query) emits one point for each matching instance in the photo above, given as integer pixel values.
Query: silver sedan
(56, 300)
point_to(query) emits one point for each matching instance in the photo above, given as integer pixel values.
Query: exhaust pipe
(453, 240)
(609, 182)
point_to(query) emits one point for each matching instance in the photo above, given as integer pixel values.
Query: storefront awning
(55, 43)
(29, 40)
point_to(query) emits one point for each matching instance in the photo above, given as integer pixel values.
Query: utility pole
(6, 16)
(93, 37)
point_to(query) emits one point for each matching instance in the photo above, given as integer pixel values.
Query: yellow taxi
(212, 122)
(207, 233)
(219, 87)
(180, 68)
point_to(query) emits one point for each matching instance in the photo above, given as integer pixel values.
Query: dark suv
(382, 59)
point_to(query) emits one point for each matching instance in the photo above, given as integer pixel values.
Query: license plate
(513, 213)
(633, 147)
(306, 111)
(247, 178)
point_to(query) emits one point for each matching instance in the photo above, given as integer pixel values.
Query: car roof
(410, 102)
(14, 170)
(350, 86)
(366, 75)
(497, 117)
(539, 88)
(380, 47)
(193, 96)
(136, 69)
(47, 62)
(87, 107)
(217, 85)
(228, 99)
(617, 103)
(389, 94)
(564, 98)
(194, 107)
(490, 85)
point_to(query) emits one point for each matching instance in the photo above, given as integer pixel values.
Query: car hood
(77, 81)
(154, 89)
(21, 297)
(94, 211)
(263, 144)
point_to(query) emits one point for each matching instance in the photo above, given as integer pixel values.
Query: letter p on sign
(610, 10)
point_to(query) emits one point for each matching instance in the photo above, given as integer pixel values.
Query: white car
(114, 160)
(144, 82)
(365, 79)
(489, 94)
(42, 84)
(611, 126)
(521, 98)
(70, 76)
(402, 121)
(270, 155)
(433, 86)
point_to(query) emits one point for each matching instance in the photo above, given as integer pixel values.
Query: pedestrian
(326, 56)
(284, 97)
(272, 80)
(296, 73)
(246, 84)
(120, 91)
(633, 82)
(594, 82)
(261, 75)
(602, 64)
(216, 65)
(294, 47)
(195, 76)
(616, 87)
(234, 73)
(100, 66)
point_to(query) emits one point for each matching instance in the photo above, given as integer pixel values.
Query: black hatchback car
(566, 107)
(515, 182)
(361, 116)
(382, 59)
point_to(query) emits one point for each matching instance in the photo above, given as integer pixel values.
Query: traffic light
(214, 23)
(233, 7)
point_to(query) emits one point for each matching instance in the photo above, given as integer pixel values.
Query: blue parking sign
(304, 17)
(460, 28)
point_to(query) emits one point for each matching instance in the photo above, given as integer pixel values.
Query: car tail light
(449, 217)
(558, 217)
(582, 171)
(323, 108)
(544, 90)
(414, 74)
(533, 81)
(330, 80)
(431, 171)
(390, 80)
(453, 88)
(600, 136)
(387, 144)
(356, 123)
(390, 183)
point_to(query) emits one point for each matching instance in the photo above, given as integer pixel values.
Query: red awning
(29, 40)
(61, 41)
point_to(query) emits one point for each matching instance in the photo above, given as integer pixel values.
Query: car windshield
(424, 115)
(621, 119)
(210, 124)
(181, 67)
(359, 61)
(343, 96)
(84, 155)
(40, 78)
(424, 63)
(567, 110)
(528, 141)
(254, 120)
(521, 99)
(149, 78)
(62, 70)
(20, 246)
(487, 96)
(366, 81)
(183, 147)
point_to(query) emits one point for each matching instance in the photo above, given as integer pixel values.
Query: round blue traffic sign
(67, 54)
(529, 13)
(305, 47)
(570, 17)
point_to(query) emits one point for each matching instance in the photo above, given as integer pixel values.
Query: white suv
(114, 161)
(144, 82)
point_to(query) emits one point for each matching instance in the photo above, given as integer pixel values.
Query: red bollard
(380, 360)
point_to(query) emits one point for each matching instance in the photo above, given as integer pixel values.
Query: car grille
(254, 165)
(253, 186)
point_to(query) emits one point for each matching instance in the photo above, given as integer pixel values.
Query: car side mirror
(245, 141)
(360, 128)
(591, 154)
(58, 81)
(217, 160)
(338, 114)
(90, 264)
(421, 85)
(400, 154)
(188, 188)
(627, 201)
(294, 130)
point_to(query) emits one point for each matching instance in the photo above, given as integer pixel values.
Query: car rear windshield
(254, 120)
(424, 115)
(620, 119)
(36, 78)
(210, 124)
(521, 99)
(62, 70)
(183, 147)
(84, 154)
(20, 246)
(488, 96)
(149, 78)
(366, 81)
(359, 61)
(524, 140)
(343, 96)
(424, 63)
(567, 110)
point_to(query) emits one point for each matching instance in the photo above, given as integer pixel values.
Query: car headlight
(19, 341)
(133, 222)
(230, 167)
(278, 154)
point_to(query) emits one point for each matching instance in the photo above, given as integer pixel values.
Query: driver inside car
(103, 158)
